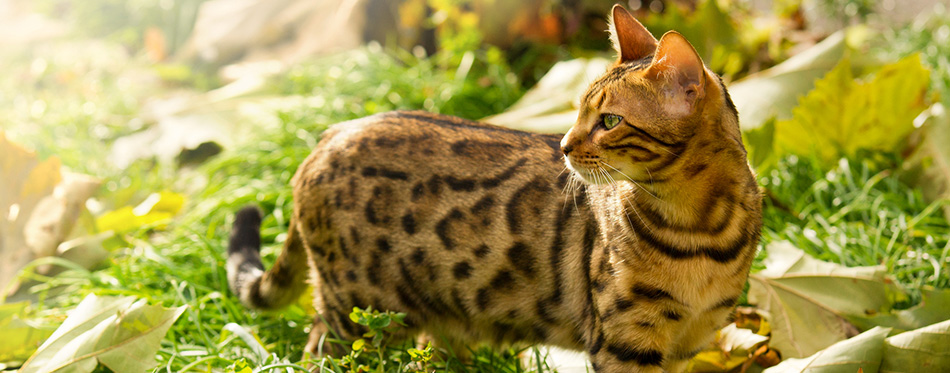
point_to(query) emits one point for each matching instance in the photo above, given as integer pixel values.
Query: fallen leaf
(809, 300)
(760, 144)
(922, 350)
(121, 334)
(843, 115)
(734, 339)
(551, 105)
(156, 47)
(772, 93)
(39, 205)
(933, 308)
(928, 166)
(864, 351)
(173, 134)
(733, 347)
(155, 210)
(766, 357)
(21, 337)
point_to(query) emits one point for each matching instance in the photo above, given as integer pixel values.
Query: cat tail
(278, 286)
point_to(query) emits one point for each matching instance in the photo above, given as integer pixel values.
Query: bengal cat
(635, 253)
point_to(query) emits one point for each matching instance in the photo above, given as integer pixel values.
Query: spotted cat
(635, 252)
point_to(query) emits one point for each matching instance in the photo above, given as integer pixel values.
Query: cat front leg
(630, 346)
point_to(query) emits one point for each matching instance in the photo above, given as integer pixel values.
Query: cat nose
(566, 148)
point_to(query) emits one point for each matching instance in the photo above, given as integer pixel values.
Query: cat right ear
(631, 40)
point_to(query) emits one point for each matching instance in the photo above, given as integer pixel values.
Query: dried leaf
(923, 350)
(809, 300)
(928, 166)
(864, 351)
(38, 207)
(933, 308)
(551, 105)
(120, 333)
(732, 339)
(733, 347)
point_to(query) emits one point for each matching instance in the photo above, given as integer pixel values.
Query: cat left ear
(631, 40)
(678, 66)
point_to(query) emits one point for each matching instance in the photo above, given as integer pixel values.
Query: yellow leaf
(41, 179)
(842, 115)
(157, 208)
(33, 219)
(13, 158)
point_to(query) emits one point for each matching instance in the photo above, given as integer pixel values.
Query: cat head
(636, 119)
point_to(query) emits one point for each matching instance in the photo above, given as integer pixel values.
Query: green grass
(859, 214)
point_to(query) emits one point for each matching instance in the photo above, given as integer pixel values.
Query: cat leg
(318, 344)
(696, 335)
(452, 347)
(629, 347)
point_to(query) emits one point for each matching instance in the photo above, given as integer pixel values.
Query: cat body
(636, 252)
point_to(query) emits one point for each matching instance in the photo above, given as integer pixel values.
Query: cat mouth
(590, 174)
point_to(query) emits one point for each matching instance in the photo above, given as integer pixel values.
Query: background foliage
(161, 217)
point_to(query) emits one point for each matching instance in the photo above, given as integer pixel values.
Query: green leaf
(240, 366)
(760, 144)
(359, 344)
(934, 308)
(20, 337)
(842, 115)
(380, 321)
(861, 353)
(923, 350)
(399, 317)
(708, 29)
(120, 333)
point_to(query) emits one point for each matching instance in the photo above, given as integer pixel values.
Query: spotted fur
(635, 254)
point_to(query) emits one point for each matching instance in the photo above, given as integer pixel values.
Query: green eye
(611, 121)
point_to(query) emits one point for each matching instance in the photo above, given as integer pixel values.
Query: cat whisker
(575, 183)
(633, 207)
(570, 188)
(632, 181)
(651, 176)
(627, 200)
(671, 153)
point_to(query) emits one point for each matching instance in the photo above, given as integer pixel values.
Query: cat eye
(611, 121)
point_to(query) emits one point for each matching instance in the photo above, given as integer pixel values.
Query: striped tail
(275, 288)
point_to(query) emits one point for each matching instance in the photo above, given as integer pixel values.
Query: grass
(860, 213)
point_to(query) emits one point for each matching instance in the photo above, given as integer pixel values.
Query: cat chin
(588, 177)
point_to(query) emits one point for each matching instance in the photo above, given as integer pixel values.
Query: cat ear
(631, 40)
(680, 69)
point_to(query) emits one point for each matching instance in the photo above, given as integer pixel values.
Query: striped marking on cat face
(658, 98)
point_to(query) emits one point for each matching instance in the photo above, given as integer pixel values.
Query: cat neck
(701, 193)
